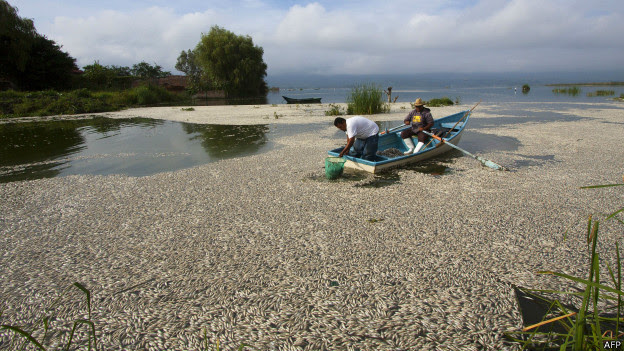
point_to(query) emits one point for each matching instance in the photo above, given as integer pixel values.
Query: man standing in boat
(420, 118)
(362, 134)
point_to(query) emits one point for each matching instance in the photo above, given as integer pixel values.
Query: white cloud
(359, 37)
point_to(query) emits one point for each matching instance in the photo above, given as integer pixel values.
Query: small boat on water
(449, 127)
(302, 101)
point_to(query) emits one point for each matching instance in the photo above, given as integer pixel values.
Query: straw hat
(418, 102)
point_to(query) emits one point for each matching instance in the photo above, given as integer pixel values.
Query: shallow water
(135, 147)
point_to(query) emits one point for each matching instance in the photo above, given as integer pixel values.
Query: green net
(334, 166)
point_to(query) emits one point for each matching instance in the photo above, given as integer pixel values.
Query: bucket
(334, 166)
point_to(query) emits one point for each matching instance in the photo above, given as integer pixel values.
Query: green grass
(439, 102)
(602, 93)
(587, 328)
(366, 99)
(24, 336)
(334, 110)
(573, 91)
(50, 102)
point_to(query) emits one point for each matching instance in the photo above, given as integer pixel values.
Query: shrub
(445, 101)
(366, 99)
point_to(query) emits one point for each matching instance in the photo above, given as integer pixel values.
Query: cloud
(361, 37)
(155, 35)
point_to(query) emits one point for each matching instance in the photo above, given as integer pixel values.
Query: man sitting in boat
(361, 134)
(421, 119)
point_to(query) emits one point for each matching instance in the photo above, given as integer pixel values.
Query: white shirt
(361, 128)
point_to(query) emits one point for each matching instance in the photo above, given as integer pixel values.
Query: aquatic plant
(602, 93)
(573, 91)
(586, 328)
(366, 99)
(526, 88)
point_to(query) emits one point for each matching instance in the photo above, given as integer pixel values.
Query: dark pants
(365, 148)
(422, 137)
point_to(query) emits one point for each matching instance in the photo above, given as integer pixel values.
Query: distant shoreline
(585, 84)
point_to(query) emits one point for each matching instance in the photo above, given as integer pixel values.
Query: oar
(392, 129)
(484, 161)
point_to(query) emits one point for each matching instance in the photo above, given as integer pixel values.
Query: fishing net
(334, 166)
(390, 153)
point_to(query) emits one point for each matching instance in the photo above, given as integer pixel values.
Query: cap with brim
(419, 102)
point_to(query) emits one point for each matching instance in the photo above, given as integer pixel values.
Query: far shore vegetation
(37, 78)
(585, 84)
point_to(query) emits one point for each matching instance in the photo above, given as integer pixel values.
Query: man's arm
(428, 126)
(350, 142)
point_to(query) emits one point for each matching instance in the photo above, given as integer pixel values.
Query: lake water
(135, 147)
(139, 147)
(467, 88)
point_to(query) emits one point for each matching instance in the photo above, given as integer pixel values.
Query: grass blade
(26, 335)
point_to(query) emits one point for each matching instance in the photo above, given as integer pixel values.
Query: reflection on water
(136, 147)
(223, 141)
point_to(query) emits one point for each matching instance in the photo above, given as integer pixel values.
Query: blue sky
(347, 37)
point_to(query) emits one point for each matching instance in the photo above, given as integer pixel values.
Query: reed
(587, 328)
(366, 99)
(26, 337)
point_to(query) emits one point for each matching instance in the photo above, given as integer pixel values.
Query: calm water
(135, 147)
(467, 88)
(139, 147)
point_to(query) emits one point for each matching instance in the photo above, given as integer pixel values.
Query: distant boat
(451, 126)
(302, 101)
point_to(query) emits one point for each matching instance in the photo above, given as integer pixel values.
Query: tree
(232, 63)
(47, 67)
(145, 71)
(30, 60)
(187, 63)
(99, 76)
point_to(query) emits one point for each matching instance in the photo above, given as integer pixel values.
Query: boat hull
(393, 140)
(302, 101)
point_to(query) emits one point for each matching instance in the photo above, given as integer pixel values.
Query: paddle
(392, 129)
(484, 161)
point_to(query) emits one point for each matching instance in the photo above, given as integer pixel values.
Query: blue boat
(449, 127)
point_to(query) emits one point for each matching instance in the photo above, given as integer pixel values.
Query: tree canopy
(228, 61)
(27, 59)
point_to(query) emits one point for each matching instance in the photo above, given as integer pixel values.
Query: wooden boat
(448, 125)
(302, 101)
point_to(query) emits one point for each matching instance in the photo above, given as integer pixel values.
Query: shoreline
(258, 250)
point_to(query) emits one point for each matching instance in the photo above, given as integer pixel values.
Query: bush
(445, 101)
(366, 99)
(50, 102)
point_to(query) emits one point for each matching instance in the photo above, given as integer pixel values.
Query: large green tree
(232, 63)
(27, 59)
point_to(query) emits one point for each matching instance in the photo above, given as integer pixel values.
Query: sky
(347, 37)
